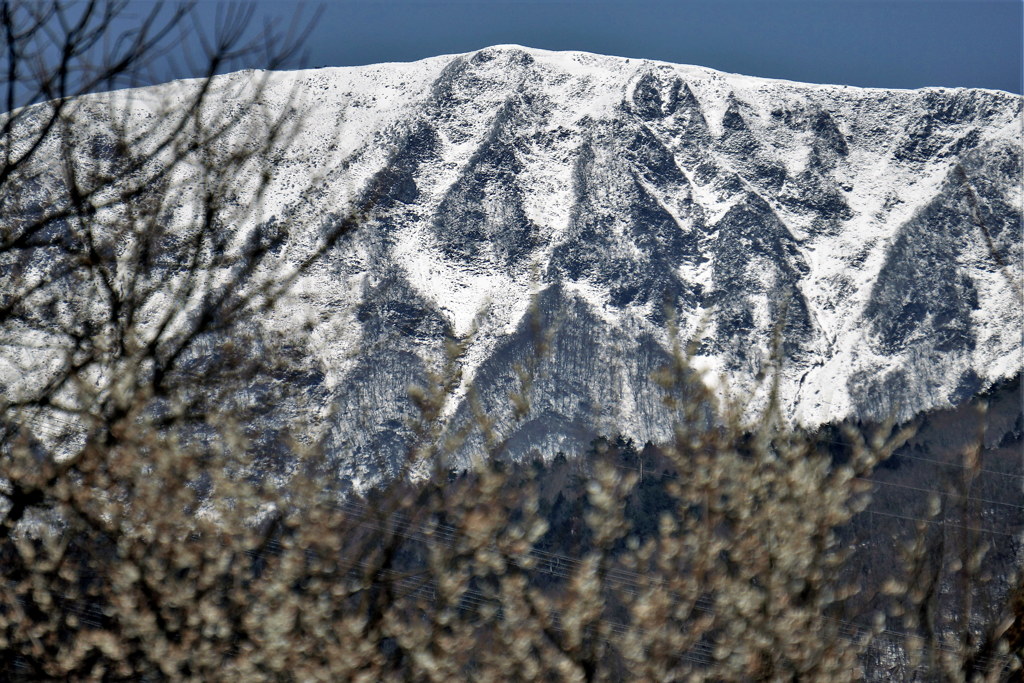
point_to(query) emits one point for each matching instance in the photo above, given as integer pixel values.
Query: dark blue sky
(883, 43)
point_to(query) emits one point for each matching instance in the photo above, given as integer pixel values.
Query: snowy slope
(513, 186)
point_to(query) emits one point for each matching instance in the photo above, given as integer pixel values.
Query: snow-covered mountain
(556, 209)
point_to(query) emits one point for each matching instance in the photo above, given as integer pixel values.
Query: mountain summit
(564, 212)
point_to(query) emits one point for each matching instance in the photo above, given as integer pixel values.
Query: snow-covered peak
(516, 189)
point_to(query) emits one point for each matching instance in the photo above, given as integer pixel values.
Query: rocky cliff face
(555, 210)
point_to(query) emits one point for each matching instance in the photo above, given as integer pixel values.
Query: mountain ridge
(603, 196)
